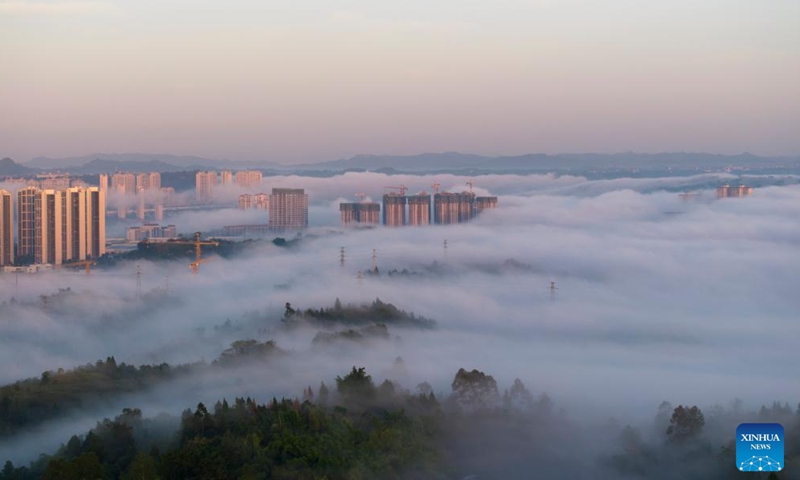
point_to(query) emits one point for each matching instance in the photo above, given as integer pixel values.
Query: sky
(288, 81)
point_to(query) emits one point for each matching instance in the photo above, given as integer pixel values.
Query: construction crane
(197, 243)
(435, 186)
(361, 196)
(470, 183)
(402, 189)
(87, 264)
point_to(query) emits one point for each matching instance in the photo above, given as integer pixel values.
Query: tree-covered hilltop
(347, 337)
(363, 430)
(57, 393)
(378, 312)
(34, 401)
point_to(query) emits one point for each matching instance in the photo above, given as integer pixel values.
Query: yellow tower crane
(87, 264)
(197, 243)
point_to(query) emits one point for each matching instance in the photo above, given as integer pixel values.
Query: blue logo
(759, 447)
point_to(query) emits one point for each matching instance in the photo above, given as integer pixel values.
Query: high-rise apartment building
(738, 191)
(261, 201)
(485, 203)
(149, 231)
(288, 208)
(26, 223)
(245, 201)
(367, 213)
(419, 209)
(394, 210)
(96, 222)
(123, 183)
(6, 228)
(225, 177)
(204, 186)
(50, 181)
(148, 181)
(104, 182)
(451, 208)
(56, 226)
(248, 178)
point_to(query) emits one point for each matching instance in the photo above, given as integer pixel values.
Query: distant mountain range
(10, 167)
(137, 162)
(453, 160)
(426, 162)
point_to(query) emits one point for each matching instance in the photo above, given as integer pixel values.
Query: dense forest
(361, 315)
(54, 394)
(357, 429)
(352, 427)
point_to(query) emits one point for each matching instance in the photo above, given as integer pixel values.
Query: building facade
(151, 230)
(248, 178)
(364, 213)
(394, 210)
(204, 186)
(737, 191)
(419, 209)
(288, 208)
(58, 226)
(6, 228)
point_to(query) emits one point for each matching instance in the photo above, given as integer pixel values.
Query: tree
(323, 394)
(661, 420)
(289, 311)
(424, 388)
(356, 386)
(475, 390)
(685, 423)
(520, 396)
(143, 467)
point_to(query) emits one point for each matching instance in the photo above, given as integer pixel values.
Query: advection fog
(657, 299)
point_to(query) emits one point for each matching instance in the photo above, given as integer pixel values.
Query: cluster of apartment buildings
(739, 191)
(287, 207)
(150, 231)
(130, 183)
(206, 181)
(52, 226)
(416, 210)
(146, 186)
(258, 201)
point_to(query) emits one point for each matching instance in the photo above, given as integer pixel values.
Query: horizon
(100, 156)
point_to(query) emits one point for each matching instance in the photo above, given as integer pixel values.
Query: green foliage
(475, 390)
(686, 423)
(370, 332)
(378, 312)
(356, 387)
(33, 401)
(247, 350)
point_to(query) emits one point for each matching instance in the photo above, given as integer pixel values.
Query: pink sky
(273, 80)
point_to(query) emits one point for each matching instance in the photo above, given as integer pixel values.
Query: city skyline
(258, 80)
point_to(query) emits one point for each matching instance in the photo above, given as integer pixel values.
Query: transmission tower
(553, 289)
(445, 248)
(138, 281)
(341, 257)
(374, 262)
(360, 279)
